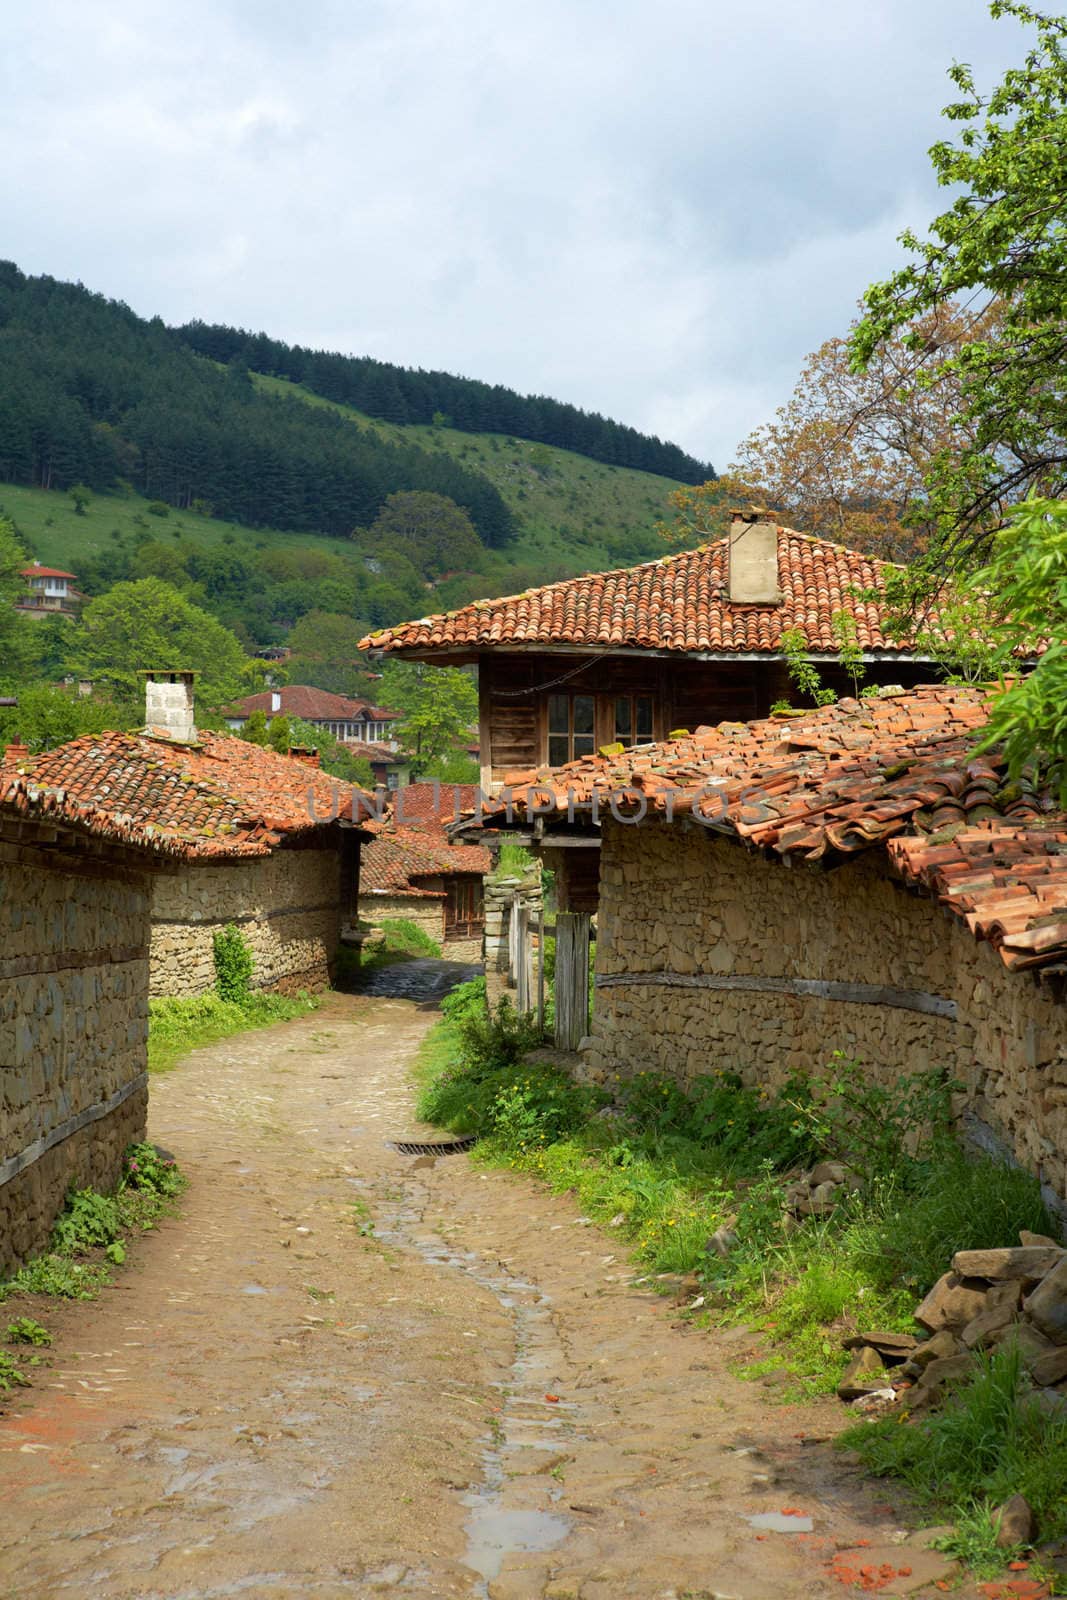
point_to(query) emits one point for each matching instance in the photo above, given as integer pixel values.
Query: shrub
(465, 1000)
(233, 963)
(899, 1131)
(145, 1166)
(88, 1221)
(158, 508)
(497, 1038)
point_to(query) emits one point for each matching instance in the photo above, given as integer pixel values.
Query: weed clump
(990, 1440)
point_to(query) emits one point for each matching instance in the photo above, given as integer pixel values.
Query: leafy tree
(1002, 238)
(454, 767)
(14, 637)
(145, 625)
(80, 497)
(439, 705)
(254, 730)
(47, 715)
(334, 758)
(847, 457)
(279, 735)
(326, 654)
(1023, 594)
(432, 531)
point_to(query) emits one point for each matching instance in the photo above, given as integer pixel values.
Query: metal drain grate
(435, 1147)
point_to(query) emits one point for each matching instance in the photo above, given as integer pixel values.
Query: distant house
(338, 715)
(415, 874)
(627, 657)
(264, 841)
(389, 766)
(49, 592)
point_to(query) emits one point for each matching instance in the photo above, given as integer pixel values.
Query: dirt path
(328, 1377)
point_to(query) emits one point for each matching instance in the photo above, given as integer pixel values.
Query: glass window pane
(583, 713)
(559, 713)
(583, 744)
(558, 752)
(623, 710)
(644, 716)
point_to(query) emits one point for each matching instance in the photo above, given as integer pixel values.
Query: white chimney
(169, 701)
(753, 560)
(275, 701)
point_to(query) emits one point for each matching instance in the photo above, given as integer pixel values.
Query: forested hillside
(408, 395)
(94, 394)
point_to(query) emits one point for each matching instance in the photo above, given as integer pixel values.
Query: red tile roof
(899, 771)
(396, 858)
(418, 804)
(679, 603)
(310, 704)
(374, 752)
(222, 797)
(35, 570)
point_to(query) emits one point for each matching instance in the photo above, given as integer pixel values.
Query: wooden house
(628, 657)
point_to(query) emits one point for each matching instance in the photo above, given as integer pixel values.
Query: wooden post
(541, 965)
(521, 921)
(572, 978)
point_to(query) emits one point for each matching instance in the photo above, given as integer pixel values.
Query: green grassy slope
(577, 515)
(55, 535)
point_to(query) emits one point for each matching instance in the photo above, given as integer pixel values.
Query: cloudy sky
(653, 208)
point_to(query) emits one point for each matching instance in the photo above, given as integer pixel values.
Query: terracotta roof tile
(310, 704)
(397, 857)
(899, 772)
(679, 603)
(220, 797)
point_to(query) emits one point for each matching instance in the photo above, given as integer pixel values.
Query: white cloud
(654, 210)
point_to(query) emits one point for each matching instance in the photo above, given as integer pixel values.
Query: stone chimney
(16, 751)
(305, 753)
(753, 559)
(169, 706)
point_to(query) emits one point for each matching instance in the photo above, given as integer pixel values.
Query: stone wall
(73, 1033)
(425, 912)
(503, 896)
(710, 955)
(287, 906)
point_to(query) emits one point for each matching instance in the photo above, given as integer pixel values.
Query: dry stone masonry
(989, 1299)
(73, 1033)
(286, 905)
(710, 955)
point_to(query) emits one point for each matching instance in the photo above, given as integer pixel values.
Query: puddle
(253, 1288)
(493, 1534)
(495, 1529)
(779, 1522)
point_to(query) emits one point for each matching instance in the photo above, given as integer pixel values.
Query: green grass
(990, 1440)
(177, 1026)
(58, 537)
(89, 1237)
(669, 1168)
(577, 515)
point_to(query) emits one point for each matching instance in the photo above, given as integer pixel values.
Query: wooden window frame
(464, 912)
(633, 737)
(571, 735)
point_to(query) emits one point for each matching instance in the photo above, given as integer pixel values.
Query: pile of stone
(988, 1298)
(816, 1193)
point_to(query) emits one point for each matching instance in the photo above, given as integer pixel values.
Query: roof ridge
(490, 606)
